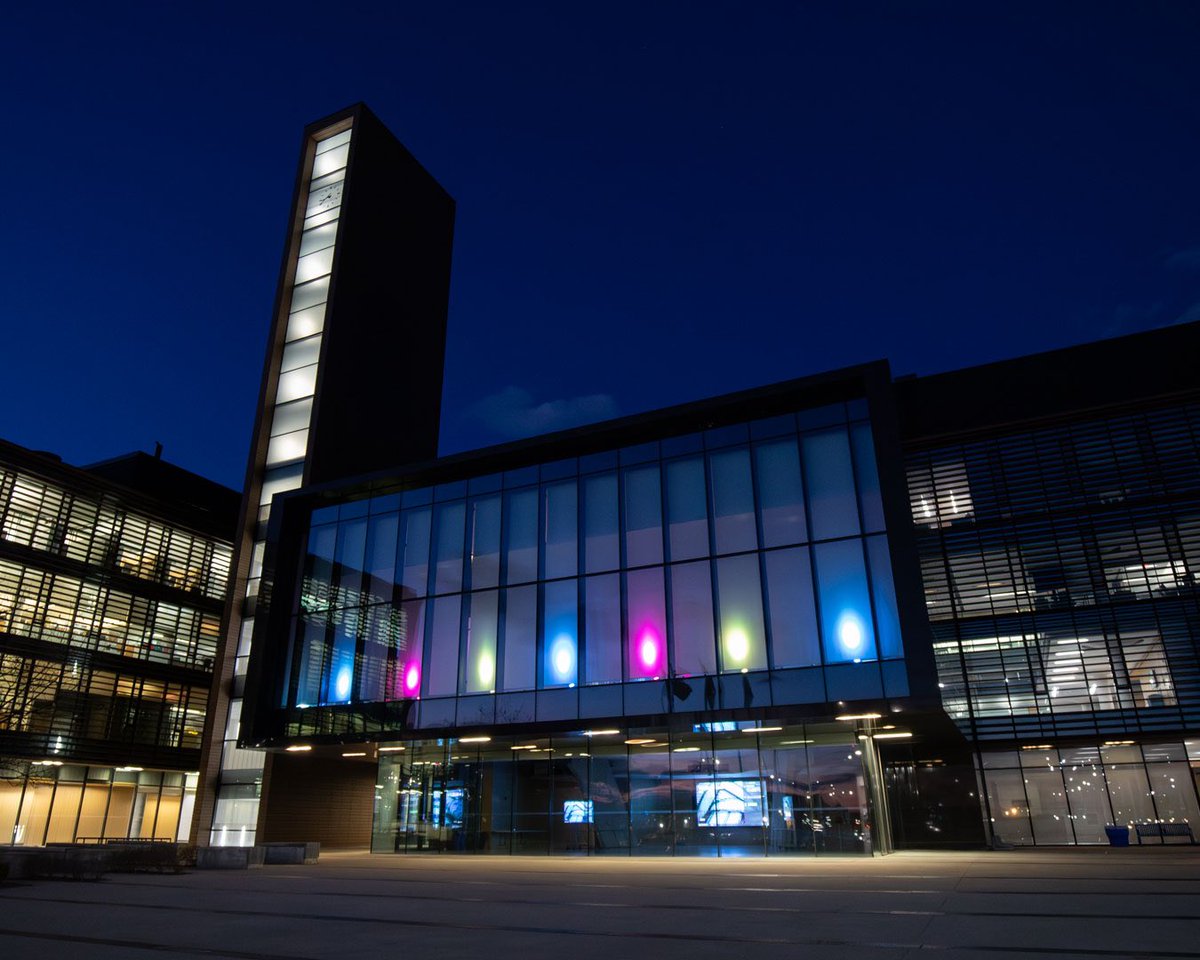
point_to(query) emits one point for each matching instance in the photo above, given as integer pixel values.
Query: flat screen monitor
(448, 808)
(729, 803)
(577, 811)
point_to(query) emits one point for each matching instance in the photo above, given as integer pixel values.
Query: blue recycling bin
(1117, 836)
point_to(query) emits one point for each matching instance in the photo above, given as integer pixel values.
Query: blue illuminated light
(851, 634)
(562, 658)
(341, 687)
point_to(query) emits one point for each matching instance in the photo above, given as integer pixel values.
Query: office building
(847, 613)
(112, 584)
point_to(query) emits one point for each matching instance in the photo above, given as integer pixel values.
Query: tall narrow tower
(352, 383)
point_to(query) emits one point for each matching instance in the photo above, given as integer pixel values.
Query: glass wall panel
(733, 501)
(351, 549)
(868, 477)
(601, 546)
(780, 493)
(830, 476)
(1174, 792)
(1086, 795)
(559, 637)
(562, 550)
(531, 802)
(839, 796)
(846, 628)
(310, 659)
(480, 673)
(887, 615)
(485, 542)
(409, 656)
(739, 595)
(1048, 806)
(687, 509)
(643, 516)
(646, 634)
(1010, 808)
(414, 552)
(520, 637)
(448, 546)
(692, 620)
(441, 671)
(339, 677)
(521, 535)
(602, 628)
(650, 801)
(382, 537)
(793, 614)
(610, 794)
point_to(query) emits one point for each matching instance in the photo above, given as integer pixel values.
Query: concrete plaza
(1127, 903)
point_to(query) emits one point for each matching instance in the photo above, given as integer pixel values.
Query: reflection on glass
(559, 637)
(830, 475)
(602, 637)
(687, 509)
(743, 645)
(692, 619)
(846, 628)
(520, 638)
(643, 516)
(733, 501)
(601, 547)
(647, 631)
(480, 673)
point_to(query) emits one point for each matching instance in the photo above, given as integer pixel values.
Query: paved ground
(1086, 903)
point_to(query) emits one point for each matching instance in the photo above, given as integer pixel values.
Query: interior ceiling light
(474, 739)
(761, 729)
(860, 716)
(390, 749)
(299, 748)
(898, 735)
(354, 754)
(639, 741)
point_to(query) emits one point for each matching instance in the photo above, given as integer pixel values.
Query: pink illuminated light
(649, 649)
(412, 679)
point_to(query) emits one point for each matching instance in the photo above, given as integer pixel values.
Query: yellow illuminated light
(299, 748)
(486, 669)
(898, 735)
(600, 733)
(353, 754)
(860, 716)
(638, 741)
(761, 729)
(390, 749)
(737, 644)
(474, 739)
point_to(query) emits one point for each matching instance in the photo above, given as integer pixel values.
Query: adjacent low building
(112, 586)
(847, 613)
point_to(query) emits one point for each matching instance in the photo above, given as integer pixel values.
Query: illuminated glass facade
(715, 789)
(747, 565)
(1060, 566)
(110, 606)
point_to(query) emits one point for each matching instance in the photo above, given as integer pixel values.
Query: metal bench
(1164, 830)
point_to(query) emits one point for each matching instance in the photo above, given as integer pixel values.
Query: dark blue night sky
(656, 202)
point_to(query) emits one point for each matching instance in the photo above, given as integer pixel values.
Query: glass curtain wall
(1055, 795)
(68, 803)
(286, 419)
(721, 789)
(744, 549)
